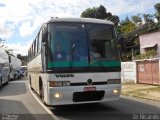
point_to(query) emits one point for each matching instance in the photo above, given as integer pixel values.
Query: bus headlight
(59, 83)
(114, 81)
(57, 95)
(115, 91)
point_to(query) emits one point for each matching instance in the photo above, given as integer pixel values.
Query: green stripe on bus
(84, 64)
(106, 64)
(67, 64)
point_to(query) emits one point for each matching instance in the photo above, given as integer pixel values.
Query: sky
(20, 20)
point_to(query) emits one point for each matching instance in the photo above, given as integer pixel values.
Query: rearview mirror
(44, 33)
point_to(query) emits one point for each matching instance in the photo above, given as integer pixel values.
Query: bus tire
(41, 90)
(0, 82)
(7, 80)
(30, 83)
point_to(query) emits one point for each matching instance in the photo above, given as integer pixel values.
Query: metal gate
(148, 72)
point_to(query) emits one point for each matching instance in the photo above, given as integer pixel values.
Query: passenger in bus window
(94, 54)
(59, 53)
(75, 52)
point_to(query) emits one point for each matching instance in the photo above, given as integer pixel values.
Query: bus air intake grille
(88, 96)
(84, 83)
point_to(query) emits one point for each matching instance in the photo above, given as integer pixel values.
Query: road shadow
(135, 105)
(13, 88)
(22, 79)
(92, 107)
(94, 111)
(123, 109)
(16, 110)
(12, 106)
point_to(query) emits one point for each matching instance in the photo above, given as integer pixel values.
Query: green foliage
(136, 18)
(148, 28)
(126, 56)
(157, 14)
(89, 12)
(19, 56)
(114, 19)
(148, 18)
(147, 55)
(136, 41)
(157, 7)
(100, 13)
(127, 26)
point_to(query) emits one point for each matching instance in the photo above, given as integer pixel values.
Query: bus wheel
(41, 91)
(30, 83)
(7, 80)
(0, 82)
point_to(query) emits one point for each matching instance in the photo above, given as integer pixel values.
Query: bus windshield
(81, 46)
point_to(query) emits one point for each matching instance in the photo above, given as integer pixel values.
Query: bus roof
(81, 20)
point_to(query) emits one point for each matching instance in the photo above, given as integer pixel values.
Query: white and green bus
(75, 61)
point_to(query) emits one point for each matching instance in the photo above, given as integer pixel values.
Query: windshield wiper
(72, 53)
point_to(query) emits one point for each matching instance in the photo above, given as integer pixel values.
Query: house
(150, 41)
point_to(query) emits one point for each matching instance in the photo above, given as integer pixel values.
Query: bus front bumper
(78, 95)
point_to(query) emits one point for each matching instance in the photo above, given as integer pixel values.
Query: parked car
(16, 75)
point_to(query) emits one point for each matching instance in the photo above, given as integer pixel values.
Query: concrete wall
(128, 72)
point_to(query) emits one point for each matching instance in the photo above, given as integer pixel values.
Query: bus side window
(39, 41)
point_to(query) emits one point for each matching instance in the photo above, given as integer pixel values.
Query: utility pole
(132, 54)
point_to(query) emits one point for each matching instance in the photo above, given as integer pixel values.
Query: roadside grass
(143, 93)
(134, 93)
(154, 89)
(129, 83)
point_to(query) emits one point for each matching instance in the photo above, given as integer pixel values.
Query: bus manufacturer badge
(64, 75)
(89, 81)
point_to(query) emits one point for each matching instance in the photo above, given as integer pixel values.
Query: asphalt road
(15, 98)
(124, 109)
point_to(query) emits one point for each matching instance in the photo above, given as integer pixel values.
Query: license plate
(88, 89)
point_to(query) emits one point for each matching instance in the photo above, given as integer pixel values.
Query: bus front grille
(88, 96)
(85, 83)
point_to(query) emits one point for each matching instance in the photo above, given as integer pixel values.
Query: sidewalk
(150, 92)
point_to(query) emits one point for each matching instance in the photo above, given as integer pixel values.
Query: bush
(147, 55)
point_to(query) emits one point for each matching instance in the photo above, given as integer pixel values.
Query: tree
(157, 14)
(89, 13)
(148, 18)
(128, 38)
(19, 56)
(137, 19)
(157, 7)
(127, 26)
(23, 59)
(100, 13)
(115, 19)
